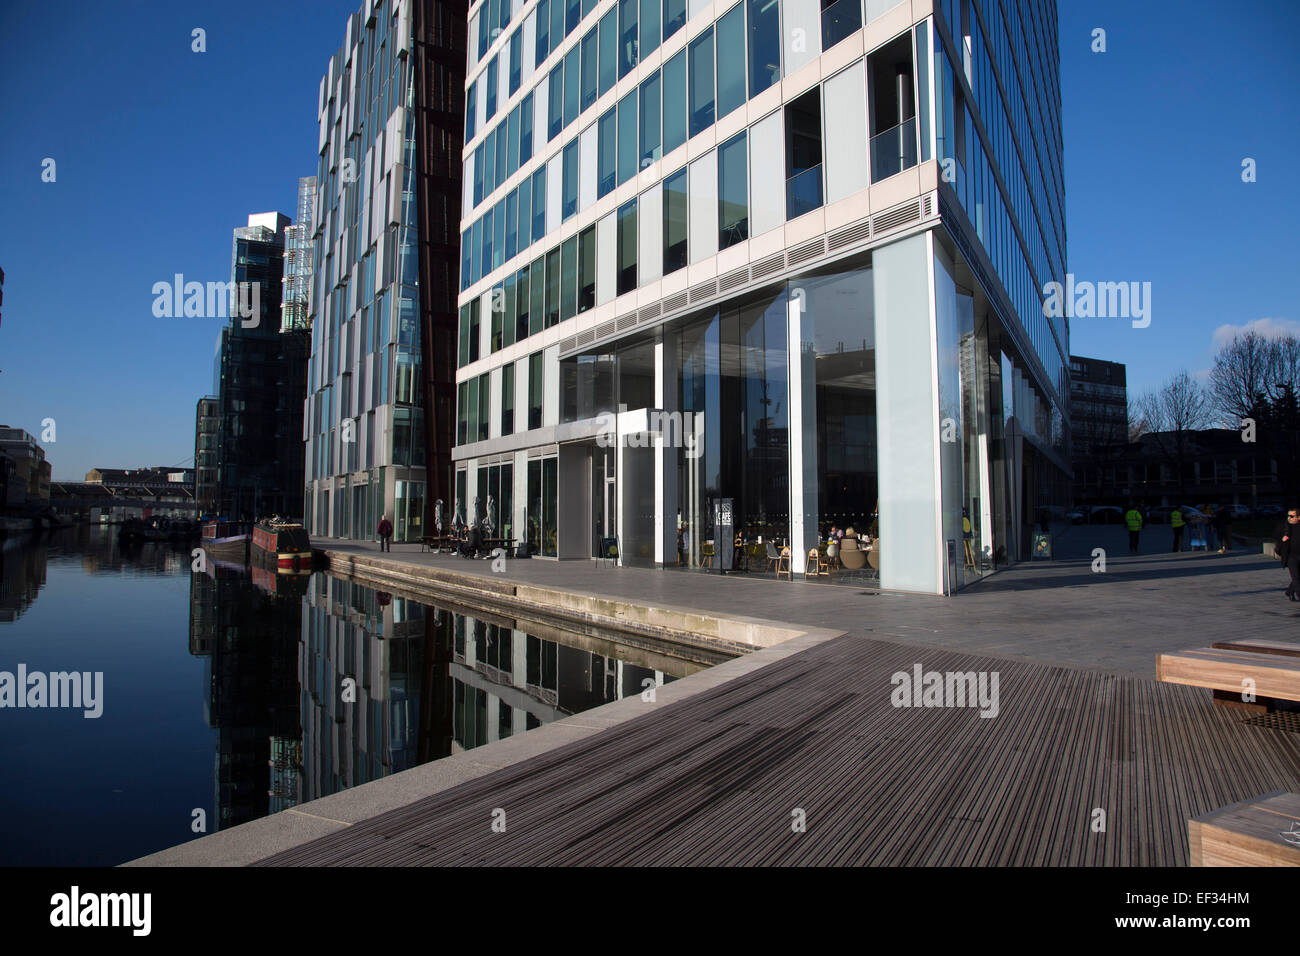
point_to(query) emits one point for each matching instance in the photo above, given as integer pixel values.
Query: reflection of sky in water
(225, 692)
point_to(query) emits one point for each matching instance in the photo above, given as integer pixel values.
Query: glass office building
(788, 253)
(381, 376)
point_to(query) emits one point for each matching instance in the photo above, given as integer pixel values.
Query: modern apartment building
(1098, 407)
(260, 383)
(381, 377)
(207, 432)
(784, 252)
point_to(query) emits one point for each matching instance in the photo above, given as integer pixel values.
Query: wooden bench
(1261, 831)
(1274, 666)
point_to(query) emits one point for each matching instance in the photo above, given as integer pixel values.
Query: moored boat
(222, 536)
(282, 544)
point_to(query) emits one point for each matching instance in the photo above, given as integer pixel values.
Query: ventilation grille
(570, 343)
(733, 280)
(650, 312)
(926, 206)
(849, 235)
(898, 216)
(604, 329)
(808, 250)
(675, 302)
(704, 291)
(626, 321)
(768, 266)
(584, 338)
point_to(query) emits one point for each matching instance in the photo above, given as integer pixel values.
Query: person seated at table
(835, 535)
(473, 543)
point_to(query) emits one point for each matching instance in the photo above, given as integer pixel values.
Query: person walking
(1287, 549)
(1176, 522)
(1133, 518)
(385, 530)
(1223, 528)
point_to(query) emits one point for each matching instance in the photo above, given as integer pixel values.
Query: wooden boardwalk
(717, 778)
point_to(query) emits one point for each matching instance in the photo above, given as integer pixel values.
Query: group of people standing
(1219, 523)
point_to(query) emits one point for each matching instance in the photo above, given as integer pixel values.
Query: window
(486, 255)
(627, 239)
(470, 112)
(627, 38)
(572, 16)
(475, 337)
(466, 259)
(569, 279)
(516, 59)
(462, 354)
(586, 268)
(543, 48)
(674, 16)
(493, 84)
(512, 234)
(508, 398)
(607, 153)
(526, 129)
(552, 287)
(522, 305)
(649, 33)
(539, 204)
(608, 50)
(489, 164)
(569, 181)
(839, 19)
(731, 60)
(557, 32)
(512, 144)
(502, 152)
(555, 102)
(496, 305)
(764, 45)
(590, 68)
(484, 407)
(462, 413)
(650, 141)
(499, 234)
(535, 390)
(572, 78)
(733, 192)
(525, 192)
(675, 221)
(674, 102)
(478, 173)
(478, 243)
(627, 152)
(701, 51)
(537, 296)
(803, 154)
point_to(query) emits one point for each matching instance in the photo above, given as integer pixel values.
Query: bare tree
(1252, 370)
(1171, 415)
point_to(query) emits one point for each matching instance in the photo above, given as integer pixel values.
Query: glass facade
(674, 296)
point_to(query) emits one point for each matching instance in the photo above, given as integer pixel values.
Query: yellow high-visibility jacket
(1133, 518)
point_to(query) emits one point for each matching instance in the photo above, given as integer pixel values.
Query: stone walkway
(1057, 612)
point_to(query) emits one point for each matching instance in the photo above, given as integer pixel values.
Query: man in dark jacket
(1287, 548)
(473, 543)
(385, 530)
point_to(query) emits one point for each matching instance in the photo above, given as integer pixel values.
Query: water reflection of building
(22, 575)
(249, 637)
(430, 682)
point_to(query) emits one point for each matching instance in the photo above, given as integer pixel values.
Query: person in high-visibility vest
(1133, 518)
(1176, 522)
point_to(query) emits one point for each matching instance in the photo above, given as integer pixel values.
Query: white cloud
(1268, 328)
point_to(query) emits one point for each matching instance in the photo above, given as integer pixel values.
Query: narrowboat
(284, 545)
(222, 536)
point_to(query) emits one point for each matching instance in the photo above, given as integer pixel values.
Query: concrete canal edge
(757, 643)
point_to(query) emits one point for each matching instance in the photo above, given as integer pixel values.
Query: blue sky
(162, 151)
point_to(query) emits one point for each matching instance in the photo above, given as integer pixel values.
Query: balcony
(893, 151)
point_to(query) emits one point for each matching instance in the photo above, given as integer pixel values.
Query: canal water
(232, 693)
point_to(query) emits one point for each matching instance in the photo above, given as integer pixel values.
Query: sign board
(724, 539)
(1042, 546)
